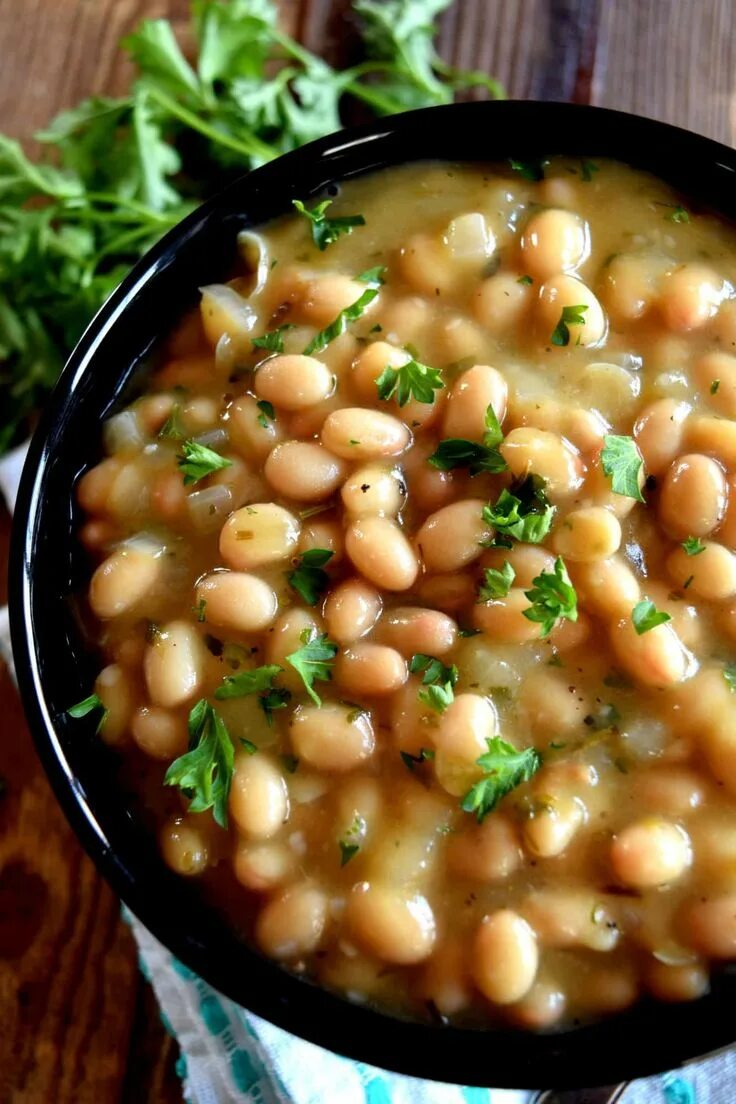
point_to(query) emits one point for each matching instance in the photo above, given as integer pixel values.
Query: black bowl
(55, 667)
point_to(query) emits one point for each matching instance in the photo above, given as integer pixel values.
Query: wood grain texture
(78, 1023)
(78, 1026)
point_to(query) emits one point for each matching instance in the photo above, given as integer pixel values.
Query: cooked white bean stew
(416, 590)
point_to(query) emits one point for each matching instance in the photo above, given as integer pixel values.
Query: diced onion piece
(470, 238)
(149, 543)
(209, 508)
(254, 251)
(123, 433)
(217, 439)
(225, 312)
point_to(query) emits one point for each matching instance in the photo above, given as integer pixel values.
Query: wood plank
(674, 60)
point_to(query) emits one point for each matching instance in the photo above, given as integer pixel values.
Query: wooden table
(77, 1022)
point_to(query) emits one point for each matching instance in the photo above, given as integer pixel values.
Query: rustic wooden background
(78, 1025)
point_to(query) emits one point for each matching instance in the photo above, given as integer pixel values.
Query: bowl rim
(578, 1057)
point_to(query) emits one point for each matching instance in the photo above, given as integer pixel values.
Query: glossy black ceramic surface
(55, 667)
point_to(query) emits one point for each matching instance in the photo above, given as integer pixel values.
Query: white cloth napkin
(230, 1056)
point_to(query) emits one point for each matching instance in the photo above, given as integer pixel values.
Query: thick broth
(611, 870)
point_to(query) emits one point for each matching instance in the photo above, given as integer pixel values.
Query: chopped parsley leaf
(308, 579)
(645, 616)
(268, 414)
(525, 516)
(313, 661)
(197, 461)
(571, 316)
(205, 772)
(326, 230)
(437, 681)
(693, 546)
(456, 452)
(622, 463)
(89, 705)
(412, 761)
(497, 583)
(553, 598)
(349, 314)
(729, 674)
(244, 683)
(505, 768)
(529, 170)
(273, 341)
(409, 381)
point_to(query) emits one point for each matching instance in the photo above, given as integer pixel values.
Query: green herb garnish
(456, 452)
(729, 674)
(532, 169)
(679, 214)
(571, 316)
(308, 579)
(587, 168)
(410, 381)
(645, 616)
(412, 761)
(172, 429)
(205, 772)
(715, 384)
(326, 230)
(505, 768)
(273, 341)
(437, 681)
(200, 610)
(313, 661)
(248, 746)
(272, 700)
(244, 683)
(693, 546)
(89, 705)
(525, 516)
(622, 463)
(496, 583)
(553, 598)
(267, 413)
(197, 461)
(349, 314)
(117, 174)
(525, 280)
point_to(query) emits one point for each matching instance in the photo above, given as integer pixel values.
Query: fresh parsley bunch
(118, 173)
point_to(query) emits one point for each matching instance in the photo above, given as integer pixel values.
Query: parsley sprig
(320, 341)
(456, 452)
(197, 461)
(496, 582)
(693, 546)
(622, 463)
(326, 230)
(308, 579)
(117, 174)
(409, 381)
(571, 316)
(645, 616)
(273, 340)
(313, 661)
(524, 516)
(553, 598)
(505, 767)
(438, 681)
(90, 705)
(205, 772)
